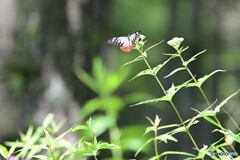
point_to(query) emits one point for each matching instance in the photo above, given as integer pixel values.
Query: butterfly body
(126, 43)
(126, 48)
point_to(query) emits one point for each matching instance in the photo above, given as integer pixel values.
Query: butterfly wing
(120, 41)
(126, 43)
(134, 36)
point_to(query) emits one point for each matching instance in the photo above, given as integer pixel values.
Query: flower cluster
(175, 42)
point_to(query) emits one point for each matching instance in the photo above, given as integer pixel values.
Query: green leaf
(99, 72)
(170, 54)
(139, 58)
(86, 79)
(13, 147)
(173, 153)
(136, 97)
(167, 126)
(150, 120)
(205, 114)
(153, 46)
(149, 129)
(157, 121)
(142, 73)
(103, 104)
(48, 120)
(175, 71)
(218, 107)
(165, 138)
(141, 148)
(3, 151)
(168, 97)
(105, 145)
(173, 90)
(134, 135)
(79, 127)
(230, 136)
(200, 81)
(193, 58)
(160, 66)
(150, 101)
(177, 130)
(182, 49)
(101, 123)
(40, 157)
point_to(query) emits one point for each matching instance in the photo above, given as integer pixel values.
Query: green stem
(172, 104)
(202, 92)
(95, 157)
(155, 143)
(115, 139)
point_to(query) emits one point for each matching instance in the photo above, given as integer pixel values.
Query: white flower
(175, 42)
(141, 40)
(142, 37)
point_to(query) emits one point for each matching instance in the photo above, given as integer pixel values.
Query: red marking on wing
(126, 48)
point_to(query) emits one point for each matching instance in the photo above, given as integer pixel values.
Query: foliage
(45, 142)
(215, 150)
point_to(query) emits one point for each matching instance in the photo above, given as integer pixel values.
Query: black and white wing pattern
(134, 36)
(120, 41)
(125, 41)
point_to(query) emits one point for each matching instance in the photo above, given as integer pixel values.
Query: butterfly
(126, 43)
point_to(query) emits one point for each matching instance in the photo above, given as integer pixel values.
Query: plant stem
(203, 93)
(115, 139)
(95, 157)
(155, 143)
(171, 102)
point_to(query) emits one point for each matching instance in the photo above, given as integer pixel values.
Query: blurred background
(46, 48)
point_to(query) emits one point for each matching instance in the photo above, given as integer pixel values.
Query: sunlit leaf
(171, 153)
(182, 49)
(178, 130)
(193, 58)
(145, 144)
(139, 58)
(175, 71)
(200, 81)
(149, 129)
(164, 98)
(206, 114)
(168, 97)
(157, 121)
(167, 126)
(40, 157)
(79, 127)
(142, 73)
(105, 145)
(3, 151)
(47, 121)
(230, 136)
(218, 107)
(165, 138)
(153, 46)
(160, 66)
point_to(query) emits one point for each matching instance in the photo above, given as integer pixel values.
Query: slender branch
(155, 143)
(172, 104)
(202, 92)
(115, 139)
(95, 157)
